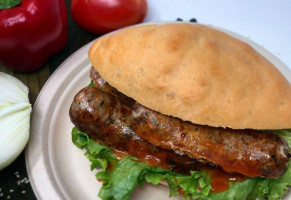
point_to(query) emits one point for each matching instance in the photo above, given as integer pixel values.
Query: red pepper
(32, 31)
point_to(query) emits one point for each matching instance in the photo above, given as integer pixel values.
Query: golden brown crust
(196, 73)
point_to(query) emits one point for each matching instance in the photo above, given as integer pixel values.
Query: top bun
(195, 73)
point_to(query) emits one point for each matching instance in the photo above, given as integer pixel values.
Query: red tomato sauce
(219, 180)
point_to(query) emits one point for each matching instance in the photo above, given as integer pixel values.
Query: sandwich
(188, 106)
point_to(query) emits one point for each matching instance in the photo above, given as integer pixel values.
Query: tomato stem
(6, 4)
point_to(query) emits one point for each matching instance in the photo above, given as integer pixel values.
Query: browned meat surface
(247, 152)
(102, 85)
(106, 121)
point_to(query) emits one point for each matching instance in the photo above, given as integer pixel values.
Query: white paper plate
(56, 168)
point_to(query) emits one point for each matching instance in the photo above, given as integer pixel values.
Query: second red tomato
(102, 16)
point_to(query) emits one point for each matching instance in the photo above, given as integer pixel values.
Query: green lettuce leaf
(120, 183)
(120, 177)
(91, 84)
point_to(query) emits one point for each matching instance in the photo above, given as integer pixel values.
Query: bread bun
(195, 73)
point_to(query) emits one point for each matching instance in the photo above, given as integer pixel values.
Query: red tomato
(102, 16)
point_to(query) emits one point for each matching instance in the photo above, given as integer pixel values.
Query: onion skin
(15, 111)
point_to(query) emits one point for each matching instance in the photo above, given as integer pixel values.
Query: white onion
(15, 112)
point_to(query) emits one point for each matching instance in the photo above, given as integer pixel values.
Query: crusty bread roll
(195, 73)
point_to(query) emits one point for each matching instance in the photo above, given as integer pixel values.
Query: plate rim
(49, 85)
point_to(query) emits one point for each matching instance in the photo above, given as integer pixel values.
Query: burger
(188, 106)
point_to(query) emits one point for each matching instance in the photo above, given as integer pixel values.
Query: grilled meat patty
(102, 111)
